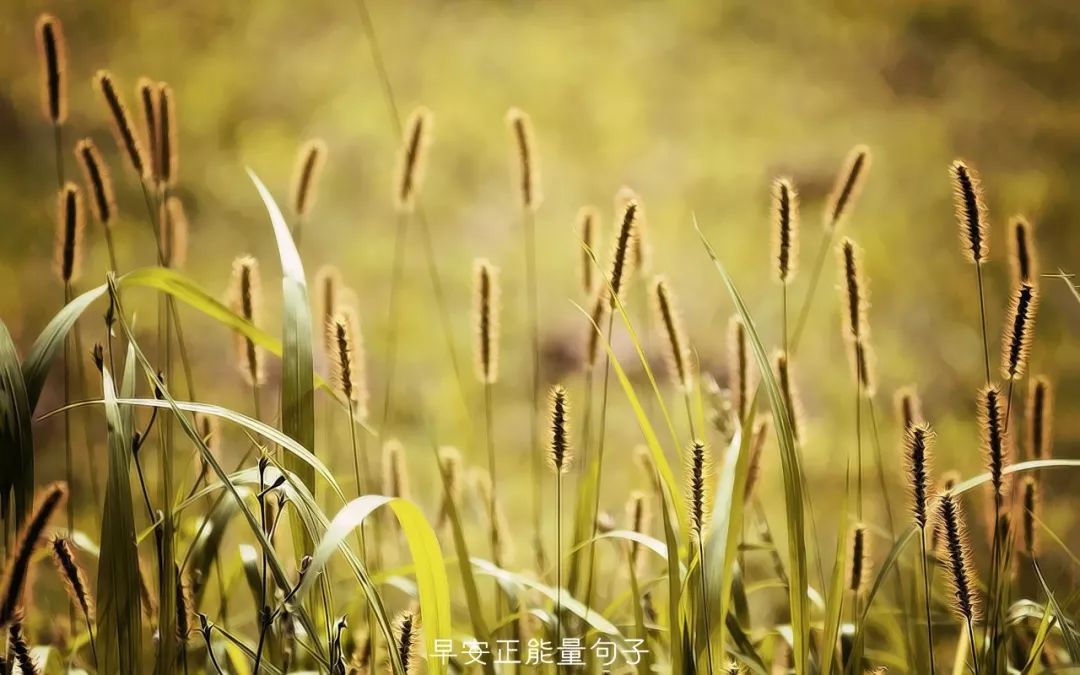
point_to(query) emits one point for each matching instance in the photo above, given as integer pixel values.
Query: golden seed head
(174, 233)
(245, 299)
(126, 139)
(486, 310)
(560, 454)
(588, 229)
(787, 388)
(306, 175)
(918, 442)
(622, 259)
(848, 185)
(698, 481)
(970, 212)
(347, 360)
(412, 159)
(740, 374)
(1018, 331)
(17, 569)
(52, 52)
(957, 550)
(70, 219)
(1040, 418)
(168, 148)
(995, 439)
(668, 316)
(98, 180)
(528, 165)
(785, 213)
(858, 562)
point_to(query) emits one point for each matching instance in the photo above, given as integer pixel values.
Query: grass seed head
(306, 175)
(123, 130)
(668, 316)
(98, 181)
(486, 310)
(17, 569)
(560, 453)
(412, 159)
(971, 212)
(957, 549)
(1040, 418)
(848, 185)
(70, 221)
(52, 53)
(785, 214)
(1019, 329)
(528, 166)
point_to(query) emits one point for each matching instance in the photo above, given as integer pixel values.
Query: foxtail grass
(1016, 338)
(1040, 418)
(678, 351)
(74, 578)
(486, 314)
(98, 183)
(559, 458)
(17, 569)
(1023, 259)
(785, 214)
(961, 571)
(918, 441)
(971, 215)
(68, 249)
(304, 189)
(699, 508)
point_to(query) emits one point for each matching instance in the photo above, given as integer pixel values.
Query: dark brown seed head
(174, 233)
(862, 357)
(640, 250)
(407, 635)
(528, 179)
(858, 562)
(1040, 418)
(1019, 329)
(970, 212)
(98, 181)
(785, 209)
(698, 479)
(17, 568)
(596, 324)
(123, 130)
(52, 53)
(486, 310)
(306, 175)
(69, 231)
(917, 461)
(347, 360)
(1022, 254)
(588, 227)
(411, 159)
(20, 649)
(957, 551)
(245, 296)
(1031, 503)
(739, 372)
(848, 185)
(73, 576)
(560, 454)
(668, 317)
(146, 94)
(787, 389)
(908, 407)
(168, 148)
(637, 515)
(854, 289)
(995, 441)
(621, 260)
(395, 472)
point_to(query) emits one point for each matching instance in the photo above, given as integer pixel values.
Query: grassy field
(314, 359)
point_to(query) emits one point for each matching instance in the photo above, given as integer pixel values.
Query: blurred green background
(696, 105)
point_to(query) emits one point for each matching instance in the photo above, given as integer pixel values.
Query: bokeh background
(695, 105)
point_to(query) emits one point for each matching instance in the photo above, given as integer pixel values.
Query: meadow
(381, 375)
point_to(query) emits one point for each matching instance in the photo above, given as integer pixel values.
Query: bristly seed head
(698, 479)
(637, 515)
(854, 289)
(740, 374)
(17, 569)
(1019, 329)
(995, 439)
(528, 165)
(560, 454)
(145, 93)
(98, 180)
(306, 174)
(592, 340)
(785, 210)
(69, 232)
(640, 250)
(168, 148)
(1031, 502)
(1040, 418)
(1022, 254)
(412, 158)
(668, 316)
(753, 465)
(620, 260)
(486, 310)
(52, 52)
(245, 294)
(126, 138)
(347, 360)
(407, 629)
(174, 233)
(787, 389)
(73, 575)
(588, 228)
(848, 185)
(970, 212)
(858, 562)
(395, 472)
(917, 461)
(958, 557)
(20, 649)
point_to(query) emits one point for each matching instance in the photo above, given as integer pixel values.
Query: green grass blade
(119, 619)
(16, 435)
(433, 586)
(1072, 642)
(793, 487)
(297, 364)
